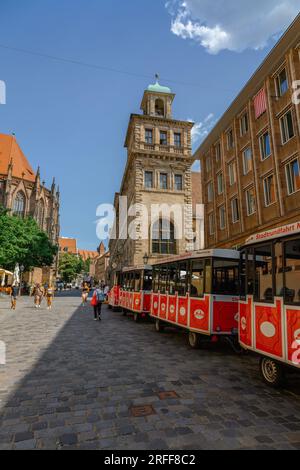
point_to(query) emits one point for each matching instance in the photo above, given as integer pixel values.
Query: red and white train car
(198, 292)
(270, 299)
(135, 291)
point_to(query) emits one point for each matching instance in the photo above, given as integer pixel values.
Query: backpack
(100, 296)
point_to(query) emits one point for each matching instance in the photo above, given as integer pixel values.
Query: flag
(260, 103)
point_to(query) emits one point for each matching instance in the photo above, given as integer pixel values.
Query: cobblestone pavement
(70, 382)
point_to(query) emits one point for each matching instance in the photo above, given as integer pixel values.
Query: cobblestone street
(70, 382)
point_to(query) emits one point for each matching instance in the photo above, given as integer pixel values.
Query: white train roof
(277, 232)
(217, 253)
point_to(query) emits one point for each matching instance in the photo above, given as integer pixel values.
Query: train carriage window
(225, 277)
(243, 277)
(155, 281)
(197, 279)
(208, 276)
(172, 278)
(163, 274)
(264, 291)
(147, 280)
(292, 272)
(137, 282)
(181, 285)
(278, 266)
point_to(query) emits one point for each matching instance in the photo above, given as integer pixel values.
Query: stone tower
(158, 170)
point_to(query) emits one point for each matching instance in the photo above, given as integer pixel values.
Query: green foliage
(70, 266)
(22, 241)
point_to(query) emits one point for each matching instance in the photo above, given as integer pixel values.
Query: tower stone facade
(24, 194)
(158, 170)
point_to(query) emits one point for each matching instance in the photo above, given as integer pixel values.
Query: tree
(70, 266)
(23, 242)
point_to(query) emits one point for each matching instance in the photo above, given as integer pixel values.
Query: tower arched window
(163, 237)
(41, 213)
(19, 204)
(159, 107)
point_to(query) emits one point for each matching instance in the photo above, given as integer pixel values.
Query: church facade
(158, 171)
(24, 194)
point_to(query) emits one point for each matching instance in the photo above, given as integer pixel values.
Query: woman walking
(49, 296)
(85, 294)
(38, 295)
(14, 291)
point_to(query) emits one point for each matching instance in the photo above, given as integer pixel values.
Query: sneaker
(99, 318)
(95, 319)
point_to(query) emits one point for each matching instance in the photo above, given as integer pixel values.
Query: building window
(163, 181)
(265, 145)
(282, 84)
(293, 176)
(235, 210)
(250, 201)
(244, 122)
(159, 108)
(19, 204)
(247, 161)
(220, 181)
(211, 224)
(218, 152)
(163, 138)
(222, 216)
(287, 127)
(177, 139)
(149, 136)
(210, 192)
(269, 190)
(163, 238)
(148, 179)
(208, 164)
(232, 173)
(178, 181)
(230, 140)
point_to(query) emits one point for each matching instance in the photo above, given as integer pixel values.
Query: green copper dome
(157, 88)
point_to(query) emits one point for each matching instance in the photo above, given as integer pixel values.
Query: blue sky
(71, 119)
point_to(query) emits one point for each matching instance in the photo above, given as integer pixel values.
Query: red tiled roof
(68, 245)
(86, 254)
(10, 151)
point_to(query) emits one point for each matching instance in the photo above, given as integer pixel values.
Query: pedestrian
(50, 296)
(14, 291)
(38, 295)
(85, 294)
(97, 301)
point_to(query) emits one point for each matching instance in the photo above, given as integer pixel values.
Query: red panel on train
(155, 305)
(293, 335)
(245, 326)
(172, 307)
(268, 325)
(225, 315)
(147, 303)
(163, 306)
(137, 302)
(182, 311)
(199, 314)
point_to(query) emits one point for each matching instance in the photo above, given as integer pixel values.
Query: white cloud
(202, 129)
(230, 24)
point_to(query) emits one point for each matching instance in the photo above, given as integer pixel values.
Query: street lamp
(146, 259)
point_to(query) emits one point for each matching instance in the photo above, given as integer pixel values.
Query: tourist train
(250, 297)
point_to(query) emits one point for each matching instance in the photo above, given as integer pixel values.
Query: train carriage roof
(278, 232)
(217, 253)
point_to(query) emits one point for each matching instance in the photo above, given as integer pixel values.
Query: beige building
(251, 160)
(23, 192)
(102, 265)
(158, 170)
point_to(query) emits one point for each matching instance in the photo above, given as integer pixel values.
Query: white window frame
(247, 170)
(289, 178)
(220, 177)
(211, 224)
(145, 172)
(222, 210)
(210, 194)
(247, 193)
(238, 218)
(243, 129)
(264, 156)
(265, 180)
(284, 130)
(277, 82)
(232, 174)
